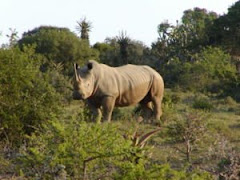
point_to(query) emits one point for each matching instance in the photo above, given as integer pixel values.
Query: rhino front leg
(108, 105)
(97, 114)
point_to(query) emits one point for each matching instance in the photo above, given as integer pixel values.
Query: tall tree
(164, 30)
(121, 50)
(13, 37)
(187, 37)
(226, 32)
(124, 42)
(83, 28)
(197, 23)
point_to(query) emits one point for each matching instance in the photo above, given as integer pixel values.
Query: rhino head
(83, 85)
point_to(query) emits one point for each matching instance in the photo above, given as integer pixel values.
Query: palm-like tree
(84, 27)
(123, 40)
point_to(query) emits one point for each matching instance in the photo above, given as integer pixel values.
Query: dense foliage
(211, 68)
(90, 151)
(27, 99)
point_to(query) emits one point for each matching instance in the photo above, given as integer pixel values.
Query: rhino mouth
(77, 96)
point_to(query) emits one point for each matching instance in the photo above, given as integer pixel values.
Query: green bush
(186, 132)
(61, 83)
(202, 103)
(162, 172)
(123, 113)
(5, 164)
(27, 100)
(229, 101)
(80, 147)
(75, 149)
(211, 71)
(169, 99)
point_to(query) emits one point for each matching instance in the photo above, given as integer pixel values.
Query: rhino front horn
(75, 70)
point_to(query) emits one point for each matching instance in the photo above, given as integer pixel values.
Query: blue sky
(139, 18)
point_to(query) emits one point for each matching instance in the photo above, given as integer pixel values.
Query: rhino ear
(90, 66)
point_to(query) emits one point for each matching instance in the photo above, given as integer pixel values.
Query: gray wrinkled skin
(106, 87)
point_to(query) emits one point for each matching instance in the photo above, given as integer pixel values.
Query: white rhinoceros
(106, 87)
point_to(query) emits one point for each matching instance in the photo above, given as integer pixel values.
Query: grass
(223, 117)
(221, 138)
(223, 128)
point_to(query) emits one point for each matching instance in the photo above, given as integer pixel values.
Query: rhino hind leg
(157, 108)
(147, 111)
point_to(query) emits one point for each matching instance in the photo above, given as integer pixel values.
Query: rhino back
(129, 84)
